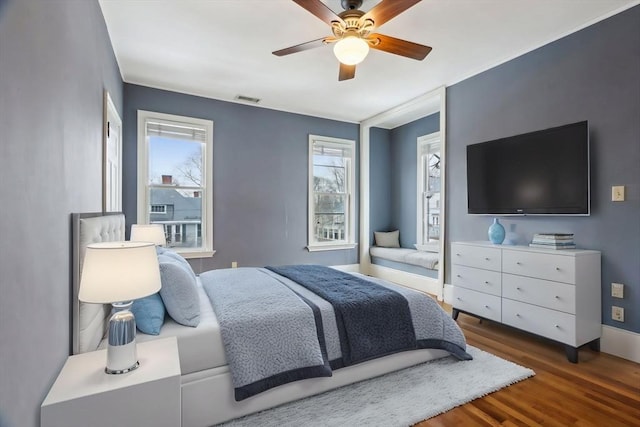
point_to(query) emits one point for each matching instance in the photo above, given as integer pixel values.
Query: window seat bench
(409, 260)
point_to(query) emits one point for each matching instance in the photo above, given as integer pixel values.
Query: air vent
(247, 99)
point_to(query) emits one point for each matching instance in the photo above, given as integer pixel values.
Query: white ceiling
(222, 48)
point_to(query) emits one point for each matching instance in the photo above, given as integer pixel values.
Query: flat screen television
(538, 173)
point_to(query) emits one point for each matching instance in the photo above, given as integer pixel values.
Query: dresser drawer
(541, 321)
(483, 305)
(557, 268)
(477, 279)
(476, 256)
(553, 295)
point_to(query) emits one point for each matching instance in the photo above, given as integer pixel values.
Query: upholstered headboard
(89, 321)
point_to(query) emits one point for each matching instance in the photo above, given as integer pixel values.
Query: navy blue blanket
(372, 320)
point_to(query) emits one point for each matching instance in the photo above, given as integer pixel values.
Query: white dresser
(552, 293)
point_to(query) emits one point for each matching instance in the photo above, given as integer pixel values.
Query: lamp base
(122, 355)
(122, 358)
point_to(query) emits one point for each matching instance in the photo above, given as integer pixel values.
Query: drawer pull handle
(519, 289)
(557, 326)
(457, 275)
(557, 297)
(457, 254)
(486, 282)
(518, 263)
(486, 259)
(459, 299)
(557, 268)
(517, 314)
(486, 306)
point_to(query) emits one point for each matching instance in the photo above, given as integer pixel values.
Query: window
(175, 158)
(331, 198)
(429, 188)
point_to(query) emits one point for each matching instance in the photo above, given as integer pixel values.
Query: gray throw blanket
(270, 335)
(373, 321)
(276, 331)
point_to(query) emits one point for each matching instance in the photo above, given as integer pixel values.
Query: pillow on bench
(387, 239)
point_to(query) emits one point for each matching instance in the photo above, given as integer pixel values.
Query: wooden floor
(601, 390)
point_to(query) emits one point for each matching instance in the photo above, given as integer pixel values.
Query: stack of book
(553, 241)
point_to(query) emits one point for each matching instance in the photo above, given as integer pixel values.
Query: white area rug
(400, 398)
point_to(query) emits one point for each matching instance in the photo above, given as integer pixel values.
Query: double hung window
(331, 198)
(429, 188)
(175, 159)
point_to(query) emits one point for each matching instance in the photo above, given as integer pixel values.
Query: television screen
(538, 173)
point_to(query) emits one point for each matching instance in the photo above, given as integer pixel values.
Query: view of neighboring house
(179, 211)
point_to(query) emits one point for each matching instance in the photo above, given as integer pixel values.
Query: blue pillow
(180, 259)
(179, 292)
(149, 313)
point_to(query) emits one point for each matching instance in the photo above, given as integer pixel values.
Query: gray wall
(259, 177)
(55, 61)
(591, 75)
(393, 177)
(404, 185)
(379, 182)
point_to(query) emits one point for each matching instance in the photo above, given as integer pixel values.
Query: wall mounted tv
(538, 173)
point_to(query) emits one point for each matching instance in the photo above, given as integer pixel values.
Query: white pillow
(387, 239)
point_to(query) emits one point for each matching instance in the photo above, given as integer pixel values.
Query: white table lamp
(153, 233)
(117, 273)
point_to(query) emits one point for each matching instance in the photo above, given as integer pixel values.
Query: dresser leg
(572, 353)
(455, 313)
(595, 345)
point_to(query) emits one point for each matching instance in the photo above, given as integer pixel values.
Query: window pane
(329, 204)
(175, 161)
(329, 227)
(329, 179)
(182, 217)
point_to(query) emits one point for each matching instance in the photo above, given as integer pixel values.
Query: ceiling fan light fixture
(351, 50)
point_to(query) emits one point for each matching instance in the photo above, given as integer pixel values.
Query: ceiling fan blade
(346, 72)
(400, 47)
(300, 47)
(320, 10)
(387, 10)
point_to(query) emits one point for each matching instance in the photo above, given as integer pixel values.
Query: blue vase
(496, 232)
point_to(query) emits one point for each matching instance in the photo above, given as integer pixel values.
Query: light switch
(617, 193)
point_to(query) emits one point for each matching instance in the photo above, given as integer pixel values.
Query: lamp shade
(351, 50)
(153, 233)
(119, 271)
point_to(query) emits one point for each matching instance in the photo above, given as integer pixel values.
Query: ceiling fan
(353, 33)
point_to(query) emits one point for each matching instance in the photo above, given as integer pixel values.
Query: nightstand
(84, 395)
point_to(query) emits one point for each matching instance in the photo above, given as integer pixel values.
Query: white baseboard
(621, 343)
(411, 280)
(349, 268)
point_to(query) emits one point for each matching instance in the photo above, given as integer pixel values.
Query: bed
(207, 389)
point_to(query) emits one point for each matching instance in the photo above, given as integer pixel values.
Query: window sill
(334, 247)
(197, 254)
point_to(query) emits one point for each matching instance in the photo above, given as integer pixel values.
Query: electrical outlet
(617, 193)
(234, 264)
(617, 290)
(617, 313)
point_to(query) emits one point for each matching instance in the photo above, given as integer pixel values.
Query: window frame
(350, 205)
(424, 143)
(143, 202)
